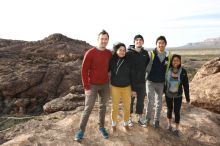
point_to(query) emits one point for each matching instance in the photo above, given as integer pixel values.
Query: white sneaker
(130, 123)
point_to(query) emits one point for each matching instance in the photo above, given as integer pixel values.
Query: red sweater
(95, 67)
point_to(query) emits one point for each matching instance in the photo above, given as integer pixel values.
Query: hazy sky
(181, 21)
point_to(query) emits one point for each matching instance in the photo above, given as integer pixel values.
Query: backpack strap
(149, 66)
(168, 55)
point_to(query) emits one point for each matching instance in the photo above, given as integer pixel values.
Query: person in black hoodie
(120, 69)
(140, 60)
(176, 81)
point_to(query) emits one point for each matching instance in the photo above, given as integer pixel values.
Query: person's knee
(102, 106)
(158, 103)
(88, 110)
(114, 108)
(176, 111)
(169, 116)
(149, 100)
(177, 114)
(127, 106)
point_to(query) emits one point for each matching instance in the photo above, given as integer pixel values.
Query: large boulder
(205, 86)
(69, 102)
(33, 73)
(66, 103)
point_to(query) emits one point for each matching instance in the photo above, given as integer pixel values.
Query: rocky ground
(198, 127)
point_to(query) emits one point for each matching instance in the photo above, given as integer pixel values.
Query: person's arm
(148, 58)
(87, 60)
(132, 70)
(133, 93)
(186, 85)
(112, 57)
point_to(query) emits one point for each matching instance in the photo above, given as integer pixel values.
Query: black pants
(141, 92)
(177, 102)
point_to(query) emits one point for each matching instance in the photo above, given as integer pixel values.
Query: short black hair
(175, 56)
(138, 36)
(118, 45)
(103, 32)
(161, 38)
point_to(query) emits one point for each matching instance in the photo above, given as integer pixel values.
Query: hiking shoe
(169, 128)
(156, 124)
(79, 135)
(142, 124)
(130, 123)
(103, 132)
(176, 132)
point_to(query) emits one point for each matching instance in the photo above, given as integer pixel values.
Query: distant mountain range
(211, 43)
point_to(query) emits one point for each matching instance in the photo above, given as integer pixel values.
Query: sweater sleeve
(85, 69)
(186, 85)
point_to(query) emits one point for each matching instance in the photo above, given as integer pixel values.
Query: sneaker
(103, 132)
(156, 124)
(130, 123)
(169, 128)
(79, 135)
(142, 124)
(176, 132)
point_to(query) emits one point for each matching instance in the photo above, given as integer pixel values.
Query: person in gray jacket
(155, 74)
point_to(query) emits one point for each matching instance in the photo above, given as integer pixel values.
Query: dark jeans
(176, 102)
(140, 89)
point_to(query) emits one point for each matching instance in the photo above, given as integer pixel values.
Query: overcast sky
(181, 21)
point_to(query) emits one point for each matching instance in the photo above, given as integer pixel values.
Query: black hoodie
(140, 61)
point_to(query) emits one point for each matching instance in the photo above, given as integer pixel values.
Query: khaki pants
(103, 92)
(118, 93)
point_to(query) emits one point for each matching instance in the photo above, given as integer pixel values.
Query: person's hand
(133, 94)
(87, 92)
(188, 107)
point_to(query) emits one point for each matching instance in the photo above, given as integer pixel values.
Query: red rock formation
(205, 86)
(33, 73)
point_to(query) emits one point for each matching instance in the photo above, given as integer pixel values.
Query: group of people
(135, 74)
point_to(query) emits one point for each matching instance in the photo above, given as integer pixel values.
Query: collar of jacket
(166, 52)
(131, 48)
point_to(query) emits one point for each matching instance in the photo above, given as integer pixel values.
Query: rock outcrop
(33, 73)
(205, 86)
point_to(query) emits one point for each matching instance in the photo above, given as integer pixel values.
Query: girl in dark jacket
(120, 84)
(176, 81)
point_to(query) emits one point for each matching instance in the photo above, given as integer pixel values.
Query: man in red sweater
(95, 80)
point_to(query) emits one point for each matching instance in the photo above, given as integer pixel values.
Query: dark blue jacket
(158, 69)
